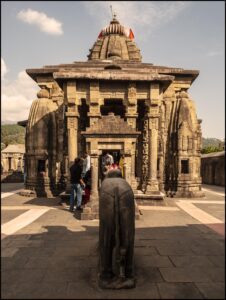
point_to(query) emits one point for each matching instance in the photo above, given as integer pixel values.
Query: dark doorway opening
(113, 105)
(10, 163)
(41, 165)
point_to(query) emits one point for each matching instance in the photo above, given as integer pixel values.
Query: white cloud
(40, 19)
(4, 69)
(140, 16)
(214, 53)
(17, 97)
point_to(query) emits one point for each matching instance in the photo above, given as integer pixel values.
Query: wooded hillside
(12, 134)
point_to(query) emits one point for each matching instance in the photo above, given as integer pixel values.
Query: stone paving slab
(179, 291)
(11, 215)
(212, 290)
(217, 260)
(213, 209)
(193, 274)
(191, 261)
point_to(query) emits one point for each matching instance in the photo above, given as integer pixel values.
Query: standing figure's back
(116, 233)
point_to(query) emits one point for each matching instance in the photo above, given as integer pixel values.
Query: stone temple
(114, 102)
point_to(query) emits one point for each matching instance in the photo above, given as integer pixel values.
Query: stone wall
(213, 168)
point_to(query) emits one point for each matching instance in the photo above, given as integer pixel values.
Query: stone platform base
(189, 194)
(28, 193)
(140, 196)
(151, 202)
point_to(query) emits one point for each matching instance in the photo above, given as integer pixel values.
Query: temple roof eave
(112, 75)
(93, 134)
(34, 73)
(79, 70)
(22, 123)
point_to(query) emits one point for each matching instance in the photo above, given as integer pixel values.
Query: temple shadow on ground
(10, 187)
(170, 263)
(12, 177)
(42, 201)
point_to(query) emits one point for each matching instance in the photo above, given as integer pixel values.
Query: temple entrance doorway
(112, 134)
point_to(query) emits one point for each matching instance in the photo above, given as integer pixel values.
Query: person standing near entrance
(77, 184)
(86, 164)
(108, 159)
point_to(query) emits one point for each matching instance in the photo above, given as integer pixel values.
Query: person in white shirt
(86, 164)
(108, 158)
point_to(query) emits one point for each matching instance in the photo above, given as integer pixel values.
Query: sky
(187, 35)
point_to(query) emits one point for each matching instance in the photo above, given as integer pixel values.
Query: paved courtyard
(49, 254)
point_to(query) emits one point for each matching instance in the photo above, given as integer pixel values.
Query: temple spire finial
(113, 13)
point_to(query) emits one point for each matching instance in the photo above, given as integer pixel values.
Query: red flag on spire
(131, 34)
(100, 34)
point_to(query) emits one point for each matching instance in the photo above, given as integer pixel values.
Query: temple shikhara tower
(113, 102)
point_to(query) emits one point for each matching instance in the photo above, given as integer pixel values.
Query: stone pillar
(152, 188)
(94, 176)
(91, 210)
(152, 185)
(72, 123)
(71, 100)
(124, 170)
(161, 173)
(133, 178)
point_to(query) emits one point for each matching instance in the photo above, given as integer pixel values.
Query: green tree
(210, 149)
(2, 146)
(12, 134)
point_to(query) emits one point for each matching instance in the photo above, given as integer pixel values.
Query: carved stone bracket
(94, 93)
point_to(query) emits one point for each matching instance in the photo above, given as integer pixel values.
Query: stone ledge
(151, 196)
(28, 193)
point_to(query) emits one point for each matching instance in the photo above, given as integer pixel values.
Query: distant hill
(12, 134)
(7, 122)
(211, 142)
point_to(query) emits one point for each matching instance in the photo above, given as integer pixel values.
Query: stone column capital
(72, 114)
(129, 115)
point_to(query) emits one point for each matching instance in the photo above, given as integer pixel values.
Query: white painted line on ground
(150, 207)
(212, 192)
(4, 195)
(197, 213)
(26, 207)
(207, 201)
(22, 221)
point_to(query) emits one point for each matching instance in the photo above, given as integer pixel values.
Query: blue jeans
(76, 191)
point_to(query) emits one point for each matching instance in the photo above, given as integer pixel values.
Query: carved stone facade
(12, 158)
(113, 101)
(12, 163)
